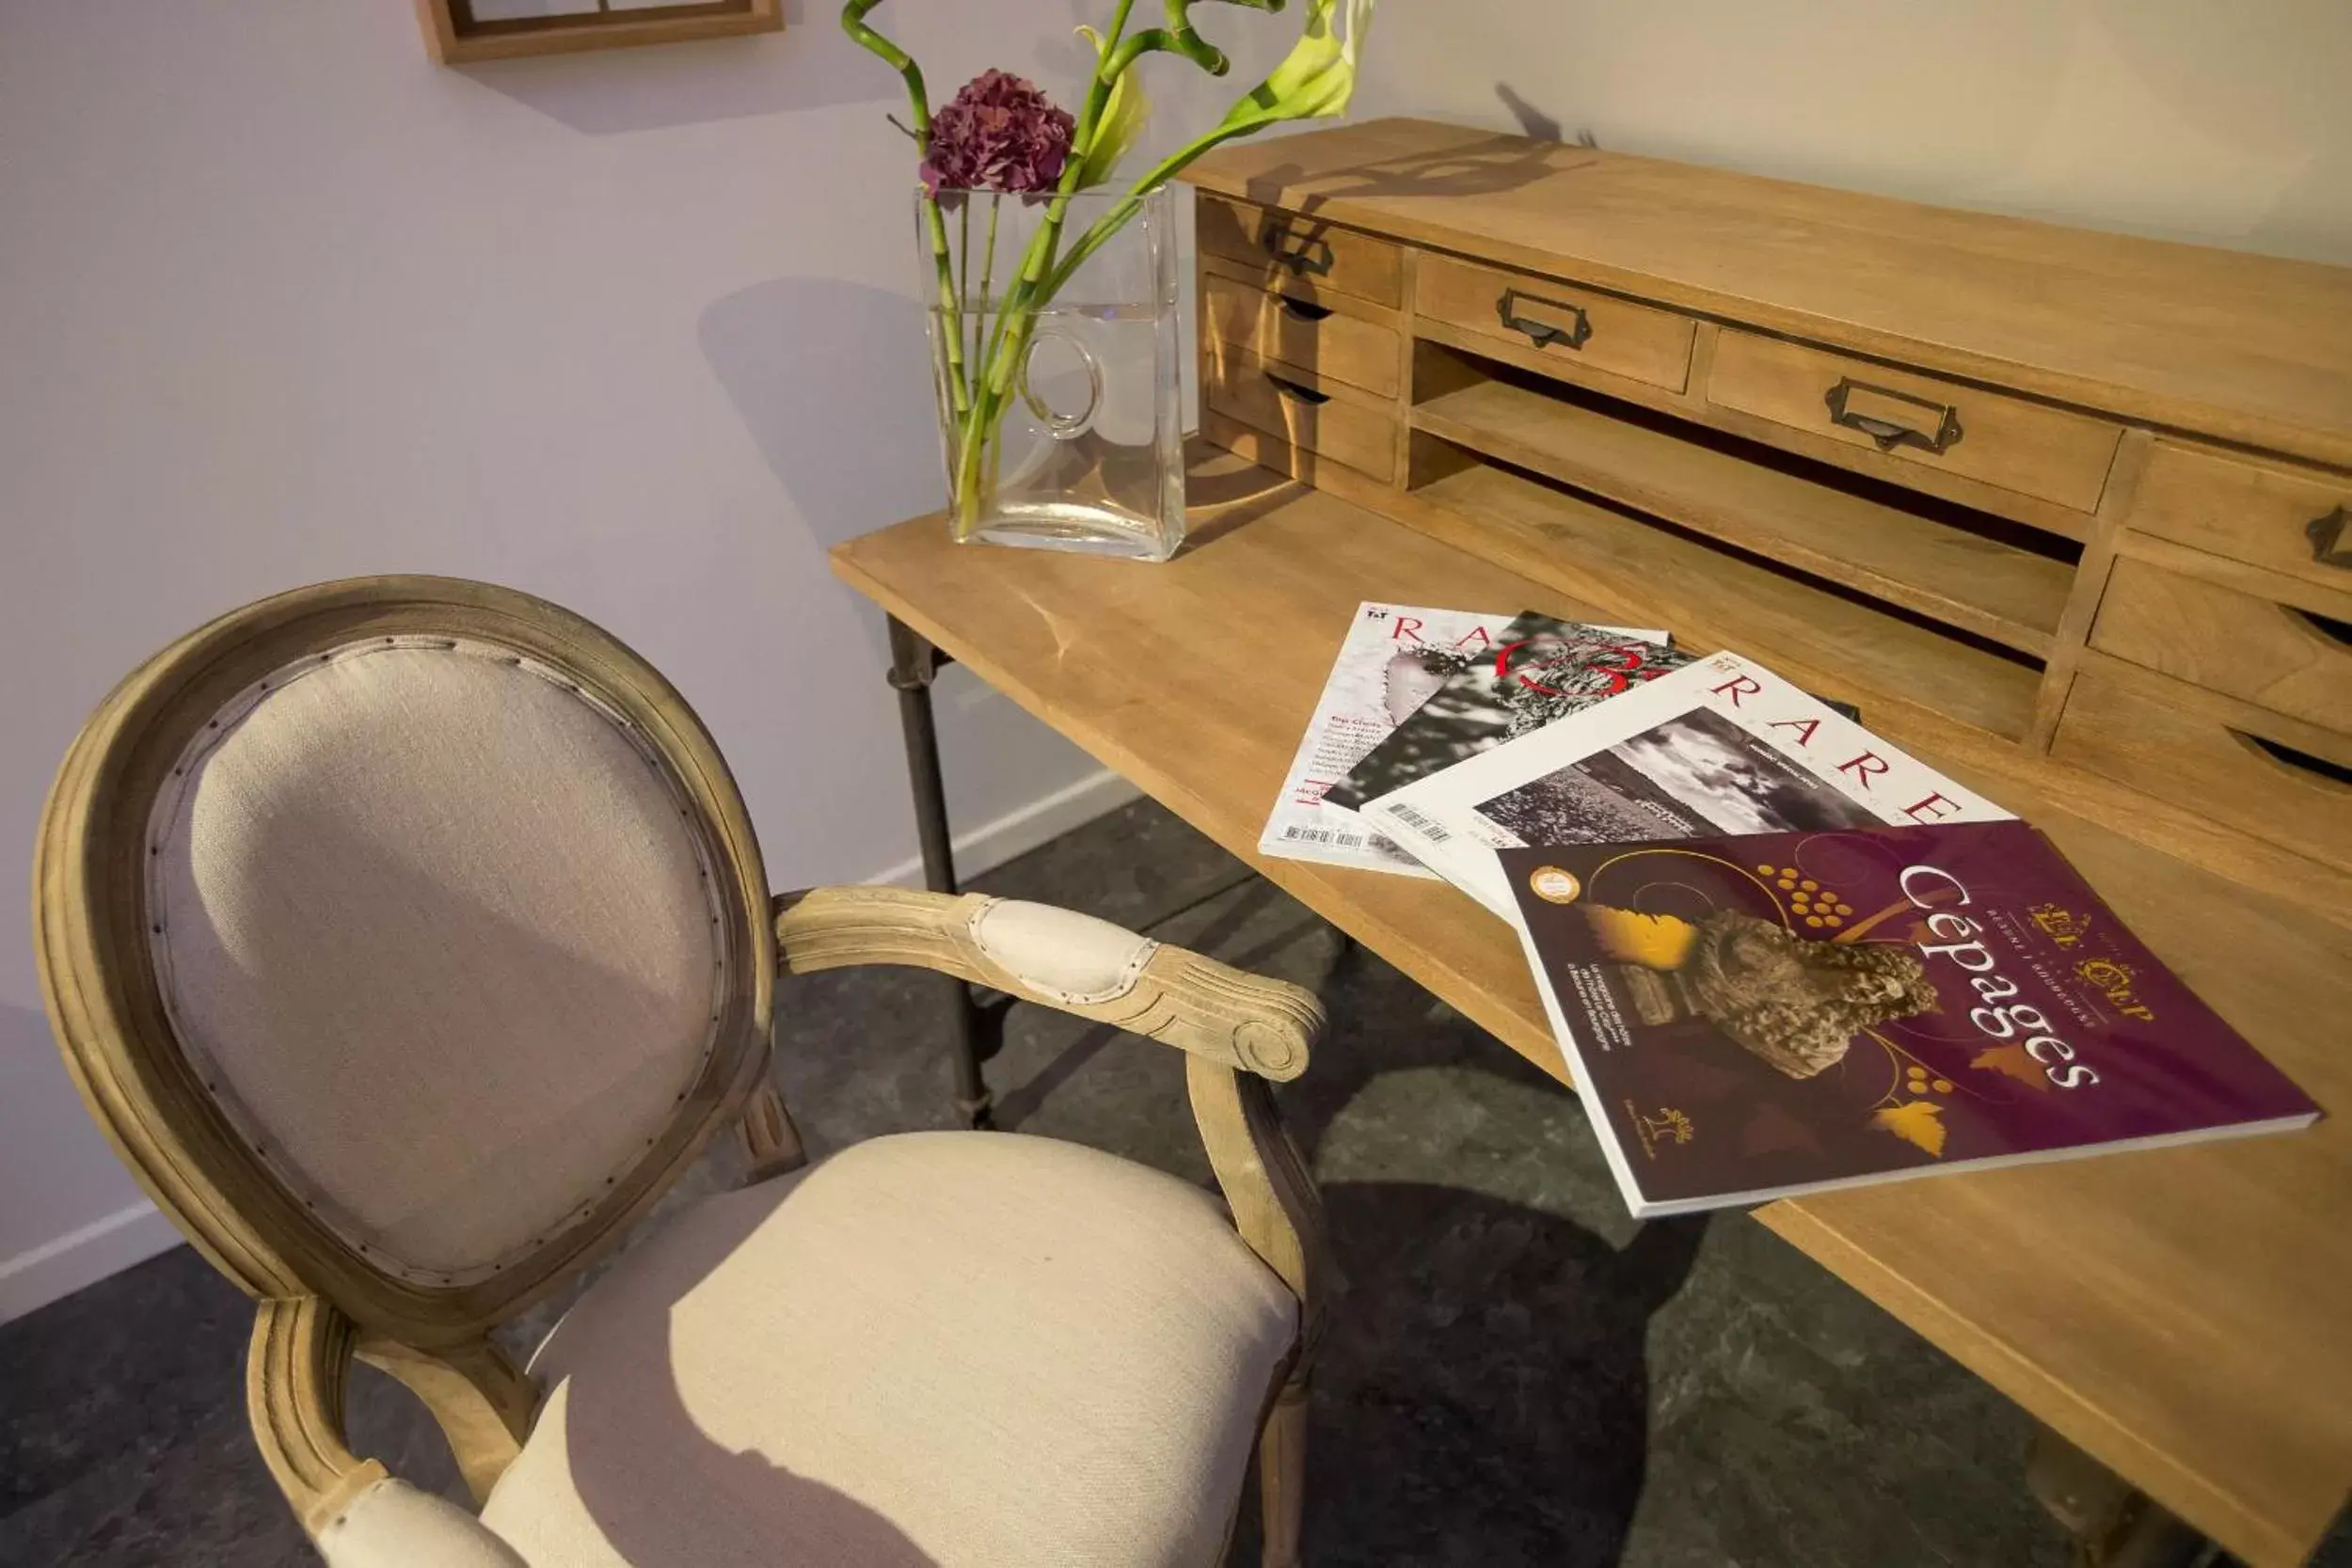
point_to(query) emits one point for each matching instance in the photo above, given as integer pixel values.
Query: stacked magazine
(1779, 955)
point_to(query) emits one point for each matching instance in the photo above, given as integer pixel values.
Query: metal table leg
(913, 664)
(2114, 1524)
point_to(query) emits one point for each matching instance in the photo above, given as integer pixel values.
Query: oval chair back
(409, 936)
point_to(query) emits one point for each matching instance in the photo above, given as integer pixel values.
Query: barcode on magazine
(1324, 835)
(1411, 818)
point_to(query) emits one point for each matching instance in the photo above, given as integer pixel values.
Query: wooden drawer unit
(2058, 509)
(1307, 411)
(1320, 339)
(1288, 244)
(1573, 328)
(1913, 419)
(2292, 520)
(2235, 764)
(2276, 656)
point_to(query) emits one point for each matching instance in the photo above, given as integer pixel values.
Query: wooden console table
(2065, 514)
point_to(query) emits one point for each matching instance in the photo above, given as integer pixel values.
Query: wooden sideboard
(2069, 508)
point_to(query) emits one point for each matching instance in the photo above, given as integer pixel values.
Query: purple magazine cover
(1777, 1012)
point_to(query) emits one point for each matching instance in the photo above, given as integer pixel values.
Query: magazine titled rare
(1719, 747)
(1393, 659)
(1543, 669)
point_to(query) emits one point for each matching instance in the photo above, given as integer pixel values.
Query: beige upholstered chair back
(411, 936)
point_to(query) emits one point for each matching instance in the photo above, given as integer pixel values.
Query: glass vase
(1061, 409)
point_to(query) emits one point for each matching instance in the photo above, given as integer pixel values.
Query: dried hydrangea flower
(998, 134)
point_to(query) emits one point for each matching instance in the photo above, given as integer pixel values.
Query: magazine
(1394, 658)
(1719, 746)
(1542, 670)
(1759, 1016)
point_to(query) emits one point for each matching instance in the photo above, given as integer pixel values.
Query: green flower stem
(988, 279)
(951, 315)
(853, 23)
(992, 393)
(1009, 345)
(1009, 342)
(934, 222)
(1178, 38)
(1316, 79)
(1110, 41)
(1111, 222)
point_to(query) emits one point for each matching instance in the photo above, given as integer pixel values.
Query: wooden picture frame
(462, 32)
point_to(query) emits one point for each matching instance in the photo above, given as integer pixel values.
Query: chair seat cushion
(962, 1350)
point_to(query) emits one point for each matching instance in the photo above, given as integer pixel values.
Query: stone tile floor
(1517, 1373)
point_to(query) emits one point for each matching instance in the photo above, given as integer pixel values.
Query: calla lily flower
(1318, 76)
(1122, 122)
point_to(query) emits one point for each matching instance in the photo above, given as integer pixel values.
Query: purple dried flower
(998, 134)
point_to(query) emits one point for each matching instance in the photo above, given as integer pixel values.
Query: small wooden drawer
(1289, 243)
(2292, 520)
(2235, 764)
(1305, 410)
(1322, 339)
(2283, 658)
(1559, 321)
(1911, 418)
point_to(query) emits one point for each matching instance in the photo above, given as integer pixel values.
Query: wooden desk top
(2179, 1314)
(2250, 348)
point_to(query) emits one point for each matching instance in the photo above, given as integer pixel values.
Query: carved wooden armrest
(1063, 960)
(1223, 1017)
(359, 1514)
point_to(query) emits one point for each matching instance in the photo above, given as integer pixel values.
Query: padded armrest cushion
(393, 1525)
(1069, 958)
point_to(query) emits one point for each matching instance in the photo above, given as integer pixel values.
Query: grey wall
(2190, 120)
(281, 301)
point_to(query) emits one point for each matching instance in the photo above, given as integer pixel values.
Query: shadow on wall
(1489, 166)
(613, 91)
(831, 379)
(1535, 124)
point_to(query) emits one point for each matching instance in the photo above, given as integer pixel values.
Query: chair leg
(1282, 1473)
(772, 1143)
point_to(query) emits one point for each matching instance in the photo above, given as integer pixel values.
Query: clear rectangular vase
(1061, 417)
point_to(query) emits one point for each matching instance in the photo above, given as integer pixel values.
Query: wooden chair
(409, 938)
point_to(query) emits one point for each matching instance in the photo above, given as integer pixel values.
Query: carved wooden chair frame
(321, 1302)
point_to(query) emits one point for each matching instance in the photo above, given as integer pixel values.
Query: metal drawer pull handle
(1301, 253)
(1890, 434)
(1544, 334)
(2328, 546)
(1303, 309)
(2302, 762)
(1296, 392)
